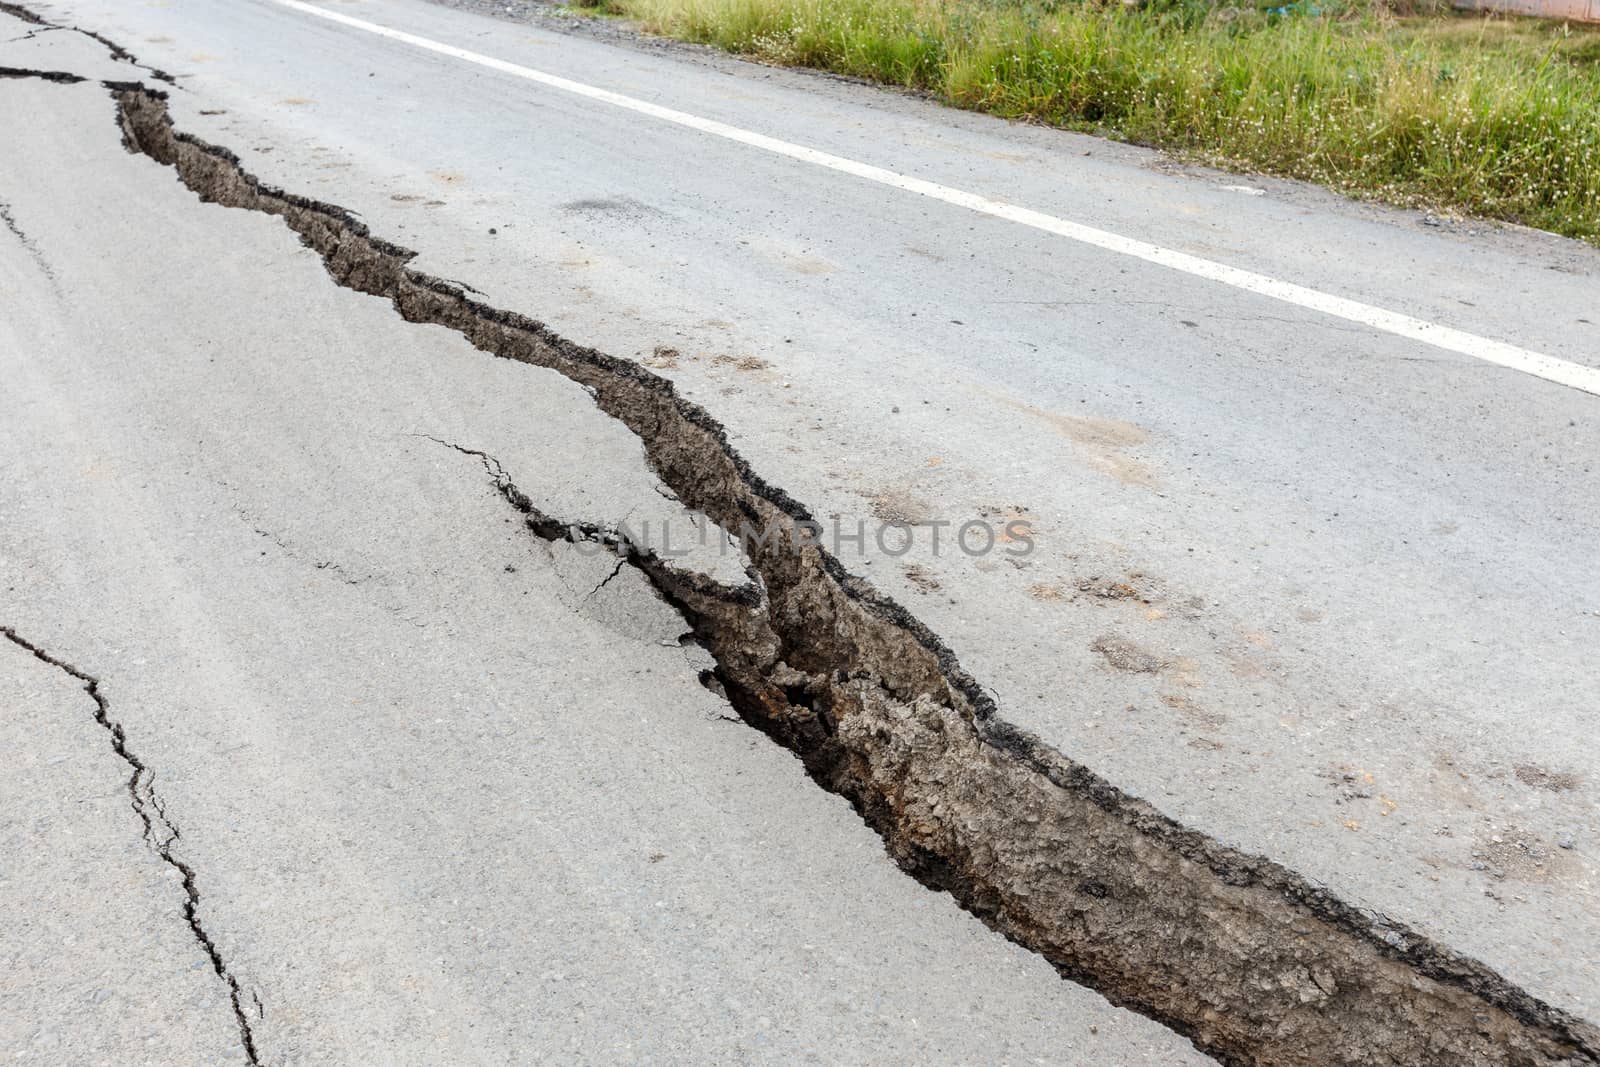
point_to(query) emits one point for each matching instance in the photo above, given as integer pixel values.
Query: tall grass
(1496, 118)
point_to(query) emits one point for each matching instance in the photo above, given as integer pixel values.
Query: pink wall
(1576, 10)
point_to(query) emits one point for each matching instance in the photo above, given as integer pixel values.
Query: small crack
(496, 469)
(621, 562)
(173, 832)
(152, 813)
(331, 566)
(31, 34)
(118, 53)
(10, 222)
(677, 588)
(549, 528)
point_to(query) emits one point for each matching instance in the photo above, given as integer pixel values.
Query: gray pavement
(99, 966)
(443, 803)
(1322, 593)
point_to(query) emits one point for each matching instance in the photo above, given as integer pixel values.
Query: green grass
(1495, 117)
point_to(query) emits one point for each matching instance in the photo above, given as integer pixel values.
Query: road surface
(1311, 488)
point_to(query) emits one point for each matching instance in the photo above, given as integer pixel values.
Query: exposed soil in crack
(160, 832)
(1250, 960)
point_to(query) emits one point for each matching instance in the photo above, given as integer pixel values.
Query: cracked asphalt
(444, 795)
(458, 794)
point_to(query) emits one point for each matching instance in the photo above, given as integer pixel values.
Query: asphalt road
(1310, 584)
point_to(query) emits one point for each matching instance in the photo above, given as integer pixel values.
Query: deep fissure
(159, 831)
(1250, 960)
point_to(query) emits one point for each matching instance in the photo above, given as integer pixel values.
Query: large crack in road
(1250, 960)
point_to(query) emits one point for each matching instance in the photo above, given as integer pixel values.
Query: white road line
(1537, 364)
